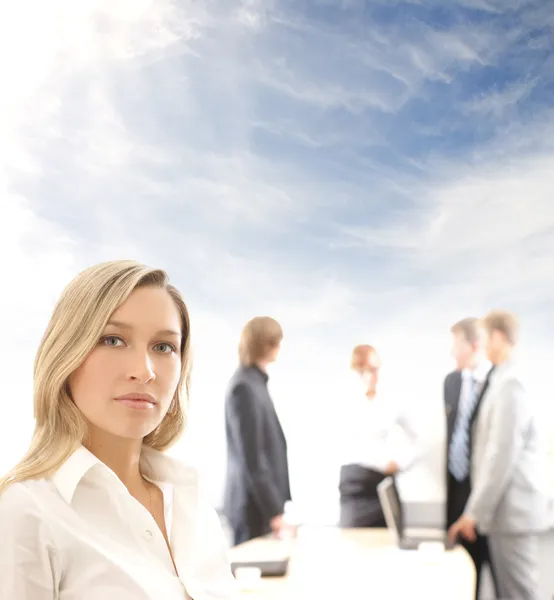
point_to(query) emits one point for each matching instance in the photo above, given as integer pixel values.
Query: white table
(327, 562)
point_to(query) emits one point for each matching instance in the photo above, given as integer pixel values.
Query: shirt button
(148, 534)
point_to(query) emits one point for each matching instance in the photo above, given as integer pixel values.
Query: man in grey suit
(507, 501)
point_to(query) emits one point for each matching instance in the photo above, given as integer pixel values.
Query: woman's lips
(138, 401)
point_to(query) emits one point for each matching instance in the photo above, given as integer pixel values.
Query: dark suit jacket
(452, 390)
(257, 481)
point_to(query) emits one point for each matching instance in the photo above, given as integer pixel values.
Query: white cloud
(327, 94)
(494, 6)
(484, 210)
(252, 13)
(495, 103)
(380, 67)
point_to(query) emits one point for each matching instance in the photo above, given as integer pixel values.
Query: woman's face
(127, 383)
(369, 373)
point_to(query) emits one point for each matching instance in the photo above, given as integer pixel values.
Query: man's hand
(277, 524)
(392, 468)
(281, 529)
(464, 526)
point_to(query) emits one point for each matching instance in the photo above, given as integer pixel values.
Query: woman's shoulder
(24, 496)
(26, 525)
(23, 506)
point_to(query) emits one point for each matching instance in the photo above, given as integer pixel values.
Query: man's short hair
(259, 336)
(505, 322)
(469, 328)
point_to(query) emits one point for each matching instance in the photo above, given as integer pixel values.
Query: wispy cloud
(495, 103)
(375, 65)
(494, 6)
(490, 227)
(496, 205)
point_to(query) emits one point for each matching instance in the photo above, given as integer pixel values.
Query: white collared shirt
(377, 431)
(80, 535)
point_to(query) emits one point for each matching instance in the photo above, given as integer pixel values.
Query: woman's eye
(164, 348)
(112, 340)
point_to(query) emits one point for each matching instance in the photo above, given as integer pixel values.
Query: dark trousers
(359, 501)
(458, 494)
(247, 525)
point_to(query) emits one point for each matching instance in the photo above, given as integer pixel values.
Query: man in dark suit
(463, 390)
(257, 482)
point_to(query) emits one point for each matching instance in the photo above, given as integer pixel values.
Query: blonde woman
(257, 484)
(95, 510)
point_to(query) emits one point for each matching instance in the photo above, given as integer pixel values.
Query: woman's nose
(142, 368)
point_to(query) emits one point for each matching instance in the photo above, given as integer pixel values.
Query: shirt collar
(259, 372)
(479, 373)
(504, 366)
(155, 465)
(161, 467)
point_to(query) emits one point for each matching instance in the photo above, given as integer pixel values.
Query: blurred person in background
(463, 389)
(370, 451)
(508, 499)
(257, 479)
(95, 509)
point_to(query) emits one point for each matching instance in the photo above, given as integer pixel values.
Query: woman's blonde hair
(259, 336)
(75, 327)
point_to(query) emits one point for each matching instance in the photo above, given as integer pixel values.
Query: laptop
(394, 516)
(268, 568)
(266, 553)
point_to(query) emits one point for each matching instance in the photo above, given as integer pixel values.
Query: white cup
(248, 578)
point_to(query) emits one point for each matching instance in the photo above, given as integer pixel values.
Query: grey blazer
(508, 469)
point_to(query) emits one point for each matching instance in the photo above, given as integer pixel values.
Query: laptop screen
(391, 505)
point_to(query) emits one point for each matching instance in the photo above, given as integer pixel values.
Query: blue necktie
(458, 454)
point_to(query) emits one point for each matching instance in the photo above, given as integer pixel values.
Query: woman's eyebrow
(169, 332)
(122, 325)
(119, 324)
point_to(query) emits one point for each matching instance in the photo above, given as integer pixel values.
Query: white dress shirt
(377, 431)
(80, 535)
(479, 375)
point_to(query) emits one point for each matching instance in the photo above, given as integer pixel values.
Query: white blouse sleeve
(408, 448)
(29, 563)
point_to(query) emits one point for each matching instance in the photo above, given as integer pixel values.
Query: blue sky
(362, 171)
